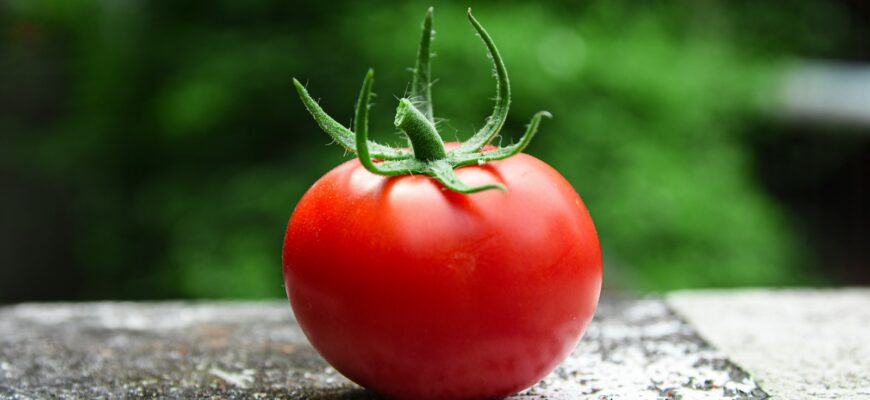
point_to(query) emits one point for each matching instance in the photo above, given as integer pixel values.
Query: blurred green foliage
(179, 146)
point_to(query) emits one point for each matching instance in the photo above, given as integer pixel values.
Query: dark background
(155, 149)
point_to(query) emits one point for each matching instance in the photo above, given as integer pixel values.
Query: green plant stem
(342, 135)
(421, 88)
(428, 154)
(495, 121)
(461, 159)
(425, 141)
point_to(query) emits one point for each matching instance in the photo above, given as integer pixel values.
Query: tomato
(419, 292)
(457, 271)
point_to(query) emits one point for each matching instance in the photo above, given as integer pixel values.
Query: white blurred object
(828, 92)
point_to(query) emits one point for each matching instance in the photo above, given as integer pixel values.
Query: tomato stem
(424, 139)
(361, 126)
(502, 95)
(342, 135)
(421, 88)
(415, 119)
(460, 159)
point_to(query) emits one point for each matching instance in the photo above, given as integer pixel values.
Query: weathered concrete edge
(677, 302)
(716, 316)
(637, 348)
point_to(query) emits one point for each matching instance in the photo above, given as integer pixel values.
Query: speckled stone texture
(636, 348)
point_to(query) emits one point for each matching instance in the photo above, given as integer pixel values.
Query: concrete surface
(798, 344)
(636, 348)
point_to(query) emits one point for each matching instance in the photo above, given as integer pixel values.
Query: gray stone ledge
(636, 348)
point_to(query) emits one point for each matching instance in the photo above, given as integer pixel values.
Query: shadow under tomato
(346, 393)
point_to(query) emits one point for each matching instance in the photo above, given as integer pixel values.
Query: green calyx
(427, 154)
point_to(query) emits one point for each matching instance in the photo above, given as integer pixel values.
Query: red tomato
(418, 292)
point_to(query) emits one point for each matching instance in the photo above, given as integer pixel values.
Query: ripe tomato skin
(417, 292)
